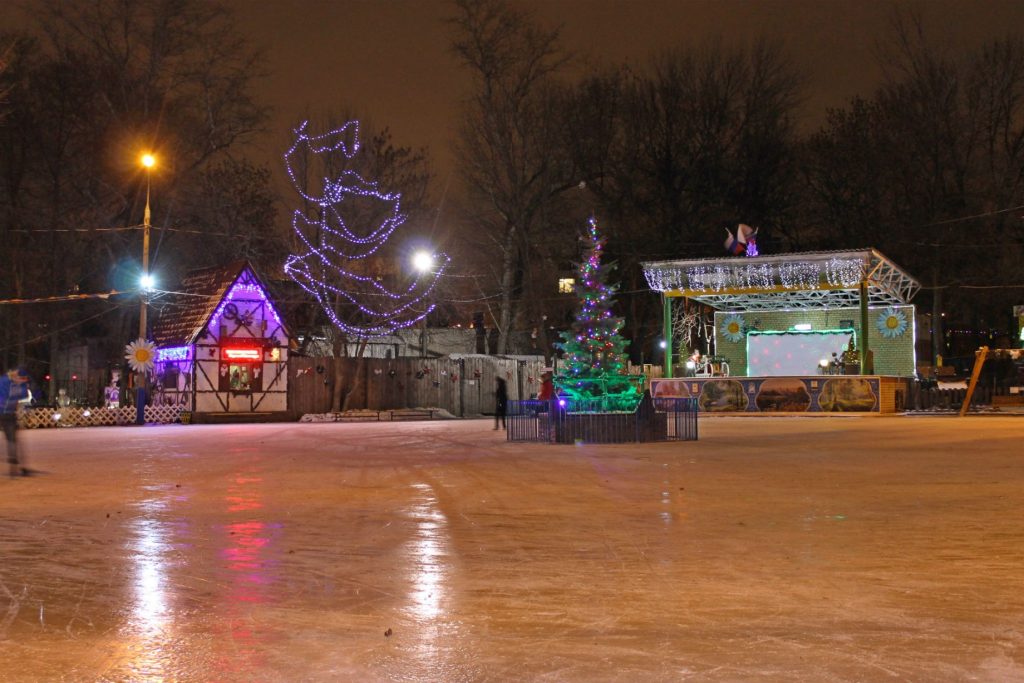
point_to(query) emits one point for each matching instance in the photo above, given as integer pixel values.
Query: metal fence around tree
(568, 421)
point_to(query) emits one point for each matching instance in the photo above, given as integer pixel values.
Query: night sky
(390, 61)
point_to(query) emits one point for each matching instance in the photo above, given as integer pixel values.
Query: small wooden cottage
(221, 345)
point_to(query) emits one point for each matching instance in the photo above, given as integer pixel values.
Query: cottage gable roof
(184, 313)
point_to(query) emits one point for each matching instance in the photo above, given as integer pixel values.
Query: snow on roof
(184, 313)
(802, 280)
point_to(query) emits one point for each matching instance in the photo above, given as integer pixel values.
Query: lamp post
(423, 262)
(148, 161)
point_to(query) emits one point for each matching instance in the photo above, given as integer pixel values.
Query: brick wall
(892, 356)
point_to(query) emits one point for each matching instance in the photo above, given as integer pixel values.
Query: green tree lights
(595, 364)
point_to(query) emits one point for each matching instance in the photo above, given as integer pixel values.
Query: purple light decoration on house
(242, 291)
(320, 270)
(173, 353)
(179, 356)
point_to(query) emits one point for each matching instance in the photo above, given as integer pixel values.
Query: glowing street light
(423, 261)
(147, 282)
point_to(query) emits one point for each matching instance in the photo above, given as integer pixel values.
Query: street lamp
(423, 262)
(148, 161)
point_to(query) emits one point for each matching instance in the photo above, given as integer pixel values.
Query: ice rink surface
(774, 549)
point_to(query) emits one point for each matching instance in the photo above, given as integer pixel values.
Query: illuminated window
(566, 285)
(240, 377)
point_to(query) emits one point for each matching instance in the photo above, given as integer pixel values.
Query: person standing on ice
(547, 386)
(500, 402)
(13, 388)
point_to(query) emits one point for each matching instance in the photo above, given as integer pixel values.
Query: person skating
(13, 388)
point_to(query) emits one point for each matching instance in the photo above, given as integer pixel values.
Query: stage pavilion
(829, 331)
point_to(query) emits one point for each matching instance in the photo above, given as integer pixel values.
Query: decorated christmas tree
(595, 367)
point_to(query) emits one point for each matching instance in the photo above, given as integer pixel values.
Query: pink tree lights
(346, 219)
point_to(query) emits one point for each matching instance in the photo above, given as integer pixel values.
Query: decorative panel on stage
(815, 394)
(795, 353)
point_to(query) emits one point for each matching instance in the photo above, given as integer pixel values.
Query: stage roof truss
(798, 281)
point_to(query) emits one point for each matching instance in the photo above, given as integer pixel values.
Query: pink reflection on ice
(241, 498)
(244, 556)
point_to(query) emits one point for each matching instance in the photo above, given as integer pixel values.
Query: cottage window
(241, 377)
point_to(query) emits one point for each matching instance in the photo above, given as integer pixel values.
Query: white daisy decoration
(732, 328)
(140, 354)
(891, 323)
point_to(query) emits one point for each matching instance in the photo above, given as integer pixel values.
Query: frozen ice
(773, 549)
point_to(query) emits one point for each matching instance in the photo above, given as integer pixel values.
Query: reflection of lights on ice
(428, 550)
(150, 611)
(150, 616)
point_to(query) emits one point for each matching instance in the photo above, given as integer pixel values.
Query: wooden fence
(463, 386)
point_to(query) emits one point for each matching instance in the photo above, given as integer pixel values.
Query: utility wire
(44, 231)
(68, 297)
(970, 218)
(116, 307)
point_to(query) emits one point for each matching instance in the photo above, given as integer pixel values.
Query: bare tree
(698, 139)
(104, 80)
(509, 135)
(941, 140)
(347, 250)
(5, 57)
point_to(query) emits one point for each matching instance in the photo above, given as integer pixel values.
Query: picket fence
(41, 418)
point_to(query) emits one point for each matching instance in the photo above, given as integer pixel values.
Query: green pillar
(864, 322)
(666, 330)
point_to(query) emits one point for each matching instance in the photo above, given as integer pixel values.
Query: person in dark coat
(13, 389)
(500, 402)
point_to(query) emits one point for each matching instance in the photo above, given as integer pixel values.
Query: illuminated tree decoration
(326, 267)
(891, 323)
(732, 328)
(595, 364)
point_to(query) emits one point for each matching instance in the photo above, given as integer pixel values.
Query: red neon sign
(243, 354)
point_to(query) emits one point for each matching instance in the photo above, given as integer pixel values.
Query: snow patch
(394, 415)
